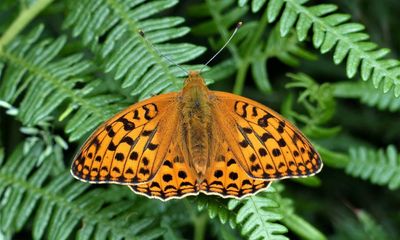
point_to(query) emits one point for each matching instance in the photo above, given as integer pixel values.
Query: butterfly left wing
(265, 145)
(129, 148)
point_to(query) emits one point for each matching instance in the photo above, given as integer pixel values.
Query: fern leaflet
(380, 167)
(257, 216)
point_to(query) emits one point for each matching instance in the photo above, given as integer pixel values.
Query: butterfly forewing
(130, 147)
(265, 144)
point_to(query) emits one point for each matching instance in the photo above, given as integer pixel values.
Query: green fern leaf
(112, 29)
(330, 31)
(216, 207)
(257, 216)
(380, 167)
(248, 50)
(46, 83)
(367, 94)
(62, 204)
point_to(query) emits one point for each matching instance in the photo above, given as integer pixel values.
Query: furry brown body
(197, 128)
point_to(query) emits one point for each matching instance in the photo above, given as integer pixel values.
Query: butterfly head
(194, 80)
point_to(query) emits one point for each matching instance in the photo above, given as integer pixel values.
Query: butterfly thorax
(196, 120)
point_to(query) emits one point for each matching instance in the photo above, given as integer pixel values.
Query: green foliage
(379, 166)
(112, 29)
(217, 207)
(359, 225)
(249, 50)
(367, 95)
(58, 204)
(331, 30)
(258, 217)
(67, 66)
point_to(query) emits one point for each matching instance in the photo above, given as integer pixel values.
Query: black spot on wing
(128, 125)
(263, 121)
(119, 156)
(281, 127)
(128, 140)
(218, 173)
(231, 161)
(147, 111)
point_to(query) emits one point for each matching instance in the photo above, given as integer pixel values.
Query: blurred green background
(328, 66)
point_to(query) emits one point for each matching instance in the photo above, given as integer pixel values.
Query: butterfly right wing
(226, 178)
(129, 148)
(265, 145)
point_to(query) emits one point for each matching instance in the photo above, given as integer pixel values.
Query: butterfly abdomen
(196, 120)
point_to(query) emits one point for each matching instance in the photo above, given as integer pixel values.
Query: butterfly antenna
(238, 25)
(162, 55)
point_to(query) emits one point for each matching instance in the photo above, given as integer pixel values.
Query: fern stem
(199, 220)
(241, 76)
(23, 19)
(200, 226)
(302, 228)
(259, 215)
(333, 159)
(349, 89)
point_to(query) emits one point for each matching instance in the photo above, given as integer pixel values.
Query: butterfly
(196, 140)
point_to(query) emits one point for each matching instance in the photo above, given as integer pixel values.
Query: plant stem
(199, 220)
(302, 228)
(333, 159)
(23, 19)
(240, 78)
(244, 64)
(200, 223)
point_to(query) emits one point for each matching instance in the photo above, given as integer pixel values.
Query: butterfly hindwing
(225, 177)
(128, 148)
(265, 144)
(174, 179)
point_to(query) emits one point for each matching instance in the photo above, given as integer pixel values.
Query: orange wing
(226, 178)
(130, 147)
(265, 145)
(175, 178)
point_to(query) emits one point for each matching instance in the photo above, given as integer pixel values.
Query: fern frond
(367, 95)
(32, 70)
(249, 51)
(318, 101)
(111, 28)
(217, 207)
(63, 204)
(257, 216)
(358, 224)
(331, 30)
(371, 227)
(378, 166)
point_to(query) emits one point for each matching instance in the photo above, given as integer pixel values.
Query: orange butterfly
(196, 140)
(183, 143)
